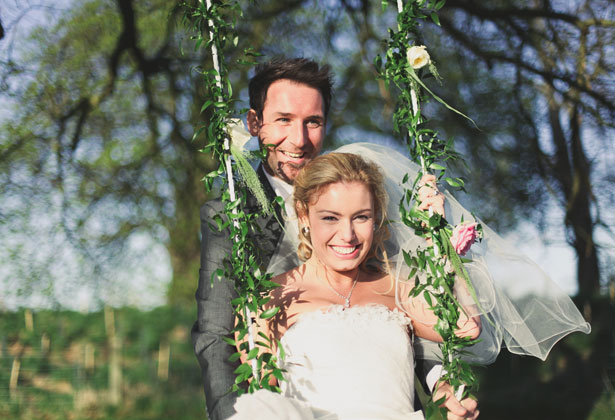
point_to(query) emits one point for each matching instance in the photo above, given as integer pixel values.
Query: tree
(108, 104)
(99, 140)
(104, 128)
(555, 103)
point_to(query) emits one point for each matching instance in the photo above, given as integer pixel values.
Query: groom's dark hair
(299, 70)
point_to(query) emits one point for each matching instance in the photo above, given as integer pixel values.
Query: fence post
(164, 353)
(45, 344)
(14, 377)
(88, 361)
(115, 358)
(14, 380)
(29, 320)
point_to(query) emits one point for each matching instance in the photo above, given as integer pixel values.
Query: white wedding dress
(344, 364)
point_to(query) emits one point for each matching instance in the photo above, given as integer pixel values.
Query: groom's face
(292, 126)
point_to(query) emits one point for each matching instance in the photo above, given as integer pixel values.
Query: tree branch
(548, 76)
(477, 9)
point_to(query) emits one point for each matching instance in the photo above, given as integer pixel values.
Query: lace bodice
(355, 362)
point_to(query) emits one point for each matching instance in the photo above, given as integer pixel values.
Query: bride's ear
(253, 122)
(302, 216)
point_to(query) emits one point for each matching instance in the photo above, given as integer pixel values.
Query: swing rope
(426, 148)
(229, 177)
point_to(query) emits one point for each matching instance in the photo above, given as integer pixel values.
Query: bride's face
(341, 223)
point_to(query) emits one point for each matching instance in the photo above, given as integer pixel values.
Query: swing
(403, 66)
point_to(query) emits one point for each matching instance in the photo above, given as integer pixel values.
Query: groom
(289, 104)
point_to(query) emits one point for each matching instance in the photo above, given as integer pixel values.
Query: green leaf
(436, 97)
(453, 182)
(435, 18)
(243, 369)
(408, 259)
(437, 166)
(218, 275)
(206, 105)
(252, 353)
(278, 374)
(269, 312)
(230, 341)
(427, 297)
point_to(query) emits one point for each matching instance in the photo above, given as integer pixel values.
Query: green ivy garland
(213, 23)
(404, 67)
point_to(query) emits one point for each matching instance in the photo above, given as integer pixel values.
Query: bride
(348, 349)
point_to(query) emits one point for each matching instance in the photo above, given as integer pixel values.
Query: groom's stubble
(280, 173)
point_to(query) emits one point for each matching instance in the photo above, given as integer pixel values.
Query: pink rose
(463, 237)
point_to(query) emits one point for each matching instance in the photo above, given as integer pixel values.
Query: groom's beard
(291, 167)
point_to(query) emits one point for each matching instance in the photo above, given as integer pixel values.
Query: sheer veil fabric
(528, 313)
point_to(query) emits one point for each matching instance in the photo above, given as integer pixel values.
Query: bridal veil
(521, 307)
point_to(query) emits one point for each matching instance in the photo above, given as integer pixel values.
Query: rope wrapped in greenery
(404, 66)
(214, 26)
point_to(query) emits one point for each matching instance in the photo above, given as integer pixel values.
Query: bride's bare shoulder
(382, 283)
(291, 277)
(289, 282)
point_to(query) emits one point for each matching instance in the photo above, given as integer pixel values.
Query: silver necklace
(346, 298)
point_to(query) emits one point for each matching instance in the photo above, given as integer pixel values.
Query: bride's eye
(329, 218)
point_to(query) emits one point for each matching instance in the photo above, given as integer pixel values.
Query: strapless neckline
(338, 310)
(341, 363)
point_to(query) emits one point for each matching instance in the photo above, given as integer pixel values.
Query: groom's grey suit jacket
(215, 315)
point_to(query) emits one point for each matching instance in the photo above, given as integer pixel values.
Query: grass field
(129, 364)
(66, 363)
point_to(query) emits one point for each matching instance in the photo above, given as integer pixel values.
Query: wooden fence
(78, 376)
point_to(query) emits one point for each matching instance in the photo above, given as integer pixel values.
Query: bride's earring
(305, 230)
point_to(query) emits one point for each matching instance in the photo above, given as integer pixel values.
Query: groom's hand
(457, 410)
(430, 196)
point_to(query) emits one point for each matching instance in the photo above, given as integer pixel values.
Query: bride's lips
(345, 252)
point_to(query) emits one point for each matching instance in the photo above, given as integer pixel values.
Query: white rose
(418, 56)
(238, 133)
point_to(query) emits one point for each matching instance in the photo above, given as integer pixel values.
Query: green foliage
(57, 384)
(433, 279)
(562, 387)
(214, 26)
(100, 146)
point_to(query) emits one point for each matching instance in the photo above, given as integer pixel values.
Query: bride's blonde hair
(333, 168)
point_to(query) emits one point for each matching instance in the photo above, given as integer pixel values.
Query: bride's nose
(347, 232)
